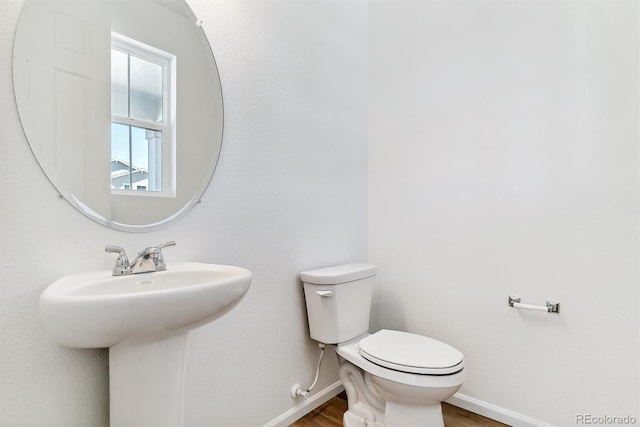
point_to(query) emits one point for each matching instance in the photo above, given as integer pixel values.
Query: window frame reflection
(160, 130)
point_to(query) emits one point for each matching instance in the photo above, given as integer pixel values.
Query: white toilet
(392, 378)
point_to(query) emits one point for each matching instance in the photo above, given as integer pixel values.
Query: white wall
(289, 194)
(503, 159)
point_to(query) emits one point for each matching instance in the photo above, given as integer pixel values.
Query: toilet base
(366, 405)
(352, 420)
(377, 402)
(399, 415)
(396, 415)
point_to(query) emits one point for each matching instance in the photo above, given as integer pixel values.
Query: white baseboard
(460, 400)
(494, 412)
(306, 405)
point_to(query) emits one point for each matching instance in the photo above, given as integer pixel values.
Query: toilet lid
(406, 352)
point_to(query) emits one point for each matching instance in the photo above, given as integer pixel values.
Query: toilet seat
(411, 353)
(350, 351)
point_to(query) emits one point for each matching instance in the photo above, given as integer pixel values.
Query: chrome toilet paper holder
(551, 307)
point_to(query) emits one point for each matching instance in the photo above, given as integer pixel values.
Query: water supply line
(297, 390)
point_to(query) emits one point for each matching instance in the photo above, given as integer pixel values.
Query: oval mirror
(121, 104)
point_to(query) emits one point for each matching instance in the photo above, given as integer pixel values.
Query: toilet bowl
(404, 398)
(392, 378)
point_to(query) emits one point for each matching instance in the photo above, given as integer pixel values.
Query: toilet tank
(338, 301)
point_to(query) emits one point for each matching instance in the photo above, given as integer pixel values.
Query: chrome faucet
(148, 260)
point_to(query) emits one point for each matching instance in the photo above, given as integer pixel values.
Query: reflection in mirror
(143, 117)
(125, 119)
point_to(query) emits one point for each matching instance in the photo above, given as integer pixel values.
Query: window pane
(136, 158)
(119, 83)
(146, 90)
(146, 159)
(120, 172)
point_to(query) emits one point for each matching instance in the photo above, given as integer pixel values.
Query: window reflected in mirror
(136, 158)
(142, 121)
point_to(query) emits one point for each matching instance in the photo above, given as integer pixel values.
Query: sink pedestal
(146, 382)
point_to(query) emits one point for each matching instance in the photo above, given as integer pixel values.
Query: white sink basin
(100, 310)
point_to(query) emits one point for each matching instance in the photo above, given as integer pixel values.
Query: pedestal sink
(144, 319)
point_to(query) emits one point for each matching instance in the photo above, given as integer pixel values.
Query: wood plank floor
(330, 415)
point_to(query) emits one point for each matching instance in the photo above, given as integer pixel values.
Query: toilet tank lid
(339, 274)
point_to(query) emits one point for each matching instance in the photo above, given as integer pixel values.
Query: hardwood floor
(458, 417)
(330, 415)
(326, 415)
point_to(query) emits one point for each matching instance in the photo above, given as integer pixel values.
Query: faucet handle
(122, 266)
(164, 245)
(160, 265)
(115, 249)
